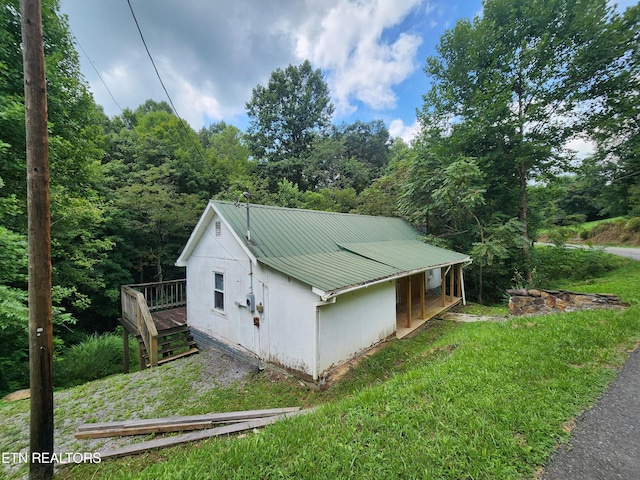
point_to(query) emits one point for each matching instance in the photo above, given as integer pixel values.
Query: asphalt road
(625, 252)
(630, 252)
(605, 445)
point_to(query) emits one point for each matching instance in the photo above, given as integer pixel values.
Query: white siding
(288, 323)
(356, 321)
(224, 255)
(286, 335)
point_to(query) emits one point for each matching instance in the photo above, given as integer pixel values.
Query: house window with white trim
(218, 291)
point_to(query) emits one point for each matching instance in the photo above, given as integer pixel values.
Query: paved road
(630, 252)
(625, 252)
(605, 444)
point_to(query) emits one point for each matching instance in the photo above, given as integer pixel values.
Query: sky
(211, 54)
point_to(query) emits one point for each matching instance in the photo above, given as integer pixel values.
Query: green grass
(588, 226)
(480, 400)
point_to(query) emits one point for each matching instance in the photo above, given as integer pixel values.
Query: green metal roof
(333, 251)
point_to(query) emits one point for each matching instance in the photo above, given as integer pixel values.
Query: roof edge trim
(339, 291)
(201, 227)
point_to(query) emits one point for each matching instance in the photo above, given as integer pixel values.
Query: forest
(489, 168)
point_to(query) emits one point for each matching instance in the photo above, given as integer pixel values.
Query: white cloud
(346, 40)
(212, 54)
(581, 147)
(397, 128)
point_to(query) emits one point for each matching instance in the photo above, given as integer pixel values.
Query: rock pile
(536, 302)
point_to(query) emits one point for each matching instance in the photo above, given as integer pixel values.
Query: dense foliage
(488, 169)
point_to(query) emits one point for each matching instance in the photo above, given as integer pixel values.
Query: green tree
(508, 89)
(284, 118)
(75, 135)
(382, 195)
(367, 142)
(615, 106)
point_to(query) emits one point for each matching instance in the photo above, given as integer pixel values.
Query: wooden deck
(432, 308)
(170, 319)
(156, 314)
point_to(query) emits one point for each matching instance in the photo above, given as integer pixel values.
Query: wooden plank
(192, 437)
(210, 417)
(191, 351)
(119, 432)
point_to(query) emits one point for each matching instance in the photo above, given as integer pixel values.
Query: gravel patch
(152, 393)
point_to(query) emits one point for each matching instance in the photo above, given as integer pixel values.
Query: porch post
(451, 283)
(460, 280)
(125, 349)
(409, 304)
(422, 295)
(443, 284)
(141, 362)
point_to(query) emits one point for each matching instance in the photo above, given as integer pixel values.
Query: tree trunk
(522, 170)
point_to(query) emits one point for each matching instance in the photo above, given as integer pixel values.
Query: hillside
(481, 400)
(613, 232)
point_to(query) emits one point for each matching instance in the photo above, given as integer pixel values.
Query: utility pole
(39, 236)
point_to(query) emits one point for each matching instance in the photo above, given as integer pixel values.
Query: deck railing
(163, 295)
(136, 312)
(139, 300)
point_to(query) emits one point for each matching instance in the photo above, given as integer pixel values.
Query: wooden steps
(173, 343)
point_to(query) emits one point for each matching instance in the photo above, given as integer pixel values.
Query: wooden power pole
(39, 236)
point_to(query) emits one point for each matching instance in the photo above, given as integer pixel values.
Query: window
(218, 228)
(218, 291)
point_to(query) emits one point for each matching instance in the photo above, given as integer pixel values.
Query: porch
(415, 306)
(156, 314)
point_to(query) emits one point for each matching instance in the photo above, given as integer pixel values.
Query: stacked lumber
(230, 422)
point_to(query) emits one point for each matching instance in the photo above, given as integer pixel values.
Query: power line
(96, 70)
(182, 122)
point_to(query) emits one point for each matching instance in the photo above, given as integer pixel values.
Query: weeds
(96, 357)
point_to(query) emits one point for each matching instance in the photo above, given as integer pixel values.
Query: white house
(308, 290)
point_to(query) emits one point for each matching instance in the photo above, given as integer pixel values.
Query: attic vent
(218, 228)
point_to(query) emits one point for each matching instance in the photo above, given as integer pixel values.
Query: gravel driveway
(151, 393)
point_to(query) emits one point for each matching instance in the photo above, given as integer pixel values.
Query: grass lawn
(468, 400)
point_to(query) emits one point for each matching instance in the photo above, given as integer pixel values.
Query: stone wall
(536, 302)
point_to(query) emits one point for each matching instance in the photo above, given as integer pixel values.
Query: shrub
(633, 225)
(95, 357)
(559, 235)
(555, 263)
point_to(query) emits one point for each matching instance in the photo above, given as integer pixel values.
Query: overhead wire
(173, 107)
(95, 70)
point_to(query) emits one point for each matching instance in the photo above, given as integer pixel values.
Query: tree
(284, 118)
(615, 124)
(368, 142)
(382, 195)
(508, 89)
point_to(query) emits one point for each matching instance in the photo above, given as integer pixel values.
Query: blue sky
(212, 54)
